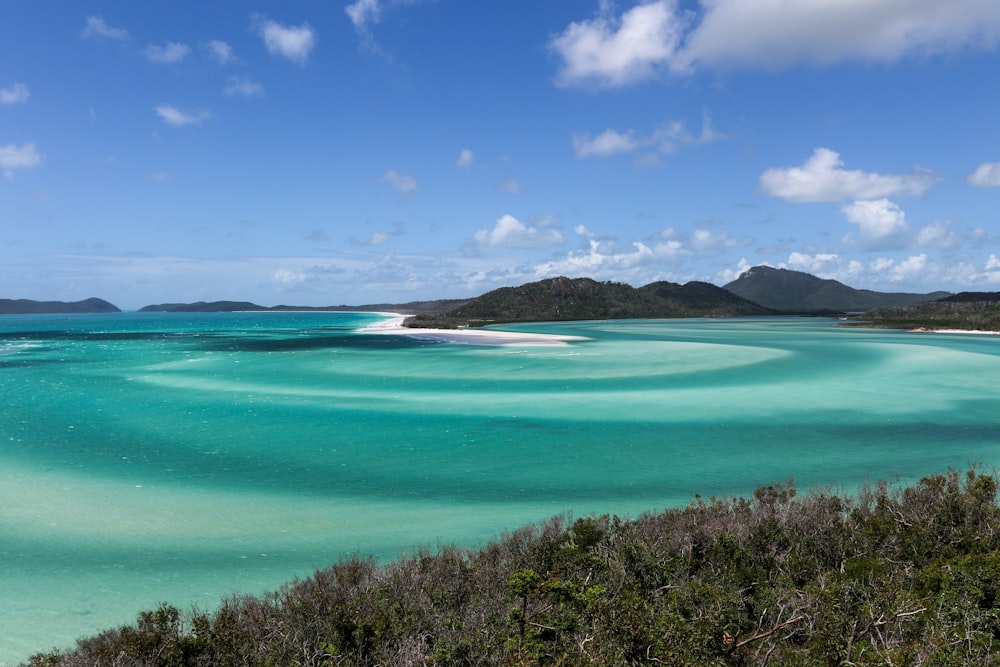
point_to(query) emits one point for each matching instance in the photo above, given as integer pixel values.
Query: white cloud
(18, 157)
(778, 33)
(243, 86)
(911, 269)
(285, 278)
(819, 263)
(401, 183)
(509, 232)
(15, 94)
(822, 179)
(656, 36)
(172, 52)
(171, 115)
(727, 276)
(881, 222)
(220, 52)
(508, 186)
(465, 158)
(665, 139)
(97, 28)
(609, 142)
(290, 42)
(363, 13)
(612, 51)
(938, 235)
(986, 175)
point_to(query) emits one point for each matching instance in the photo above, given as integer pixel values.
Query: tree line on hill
(760, 290)
(888, 576)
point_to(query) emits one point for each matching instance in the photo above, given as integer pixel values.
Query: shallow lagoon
(179, 457)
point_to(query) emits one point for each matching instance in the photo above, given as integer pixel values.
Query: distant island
(968, 311)
(761, 290)
(30, 307)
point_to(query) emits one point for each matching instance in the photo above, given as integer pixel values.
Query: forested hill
(30, 307)
(973, 311)
(797, 292)
(562, 298)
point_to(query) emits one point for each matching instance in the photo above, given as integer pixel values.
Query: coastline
(394, 326)
(974, 332)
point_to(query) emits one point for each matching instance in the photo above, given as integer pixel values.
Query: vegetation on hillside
(890, 576)
(31, 307)
(790, 291)
(974, 311)
(558, 299)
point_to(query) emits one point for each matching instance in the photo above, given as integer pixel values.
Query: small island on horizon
(761, 290)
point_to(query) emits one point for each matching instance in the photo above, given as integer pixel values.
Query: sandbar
(977, 332)
(466, 335)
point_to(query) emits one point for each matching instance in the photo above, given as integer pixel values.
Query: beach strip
(468, 336)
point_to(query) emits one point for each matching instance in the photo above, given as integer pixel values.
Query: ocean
(153, 457)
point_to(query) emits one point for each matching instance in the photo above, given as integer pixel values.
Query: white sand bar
(978, 332)
(466, 335)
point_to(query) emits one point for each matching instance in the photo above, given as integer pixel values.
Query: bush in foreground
(892, 576)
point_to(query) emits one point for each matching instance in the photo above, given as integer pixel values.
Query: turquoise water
(170, 457)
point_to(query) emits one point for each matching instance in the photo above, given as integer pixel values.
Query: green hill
(560, 299)
(30, 307)
(797, 292)
(973, 311)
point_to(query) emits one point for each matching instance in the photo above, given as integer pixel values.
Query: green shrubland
(887, 576)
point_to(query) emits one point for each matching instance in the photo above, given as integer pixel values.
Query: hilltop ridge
(797, 292)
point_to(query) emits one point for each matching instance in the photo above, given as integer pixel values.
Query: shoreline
(394, 326)
(974, 332)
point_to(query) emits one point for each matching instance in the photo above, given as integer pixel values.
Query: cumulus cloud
(882, 222)
(292, 42)
(243, 86)
(401, 183)
(15, 94)
(465, 159)
(614, 51)
(97, 28)
(910, 269)
(986, 175)
(609, 142)
(18, 157)
(509, 232)
(938, 235)
(656, 36)
(777, 33)
(171, 52)
(822, 179)
(220, 52)
(664, 139)
(171, 115)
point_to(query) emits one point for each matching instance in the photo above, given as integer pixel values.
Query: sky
(386, 151)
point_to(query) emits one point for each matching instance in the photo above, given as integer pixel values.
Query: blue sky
(316, 153)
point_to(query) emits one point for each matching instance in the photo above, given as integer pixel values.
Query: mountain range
(761, 290)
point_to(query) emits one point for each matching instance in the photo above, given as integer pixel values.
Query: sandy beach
(976, 332)
(468, 336)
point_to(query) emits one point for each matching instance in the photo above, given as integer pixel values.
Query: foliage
(560, 299)
(902, 576)
(976, 311)
(790, 291)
